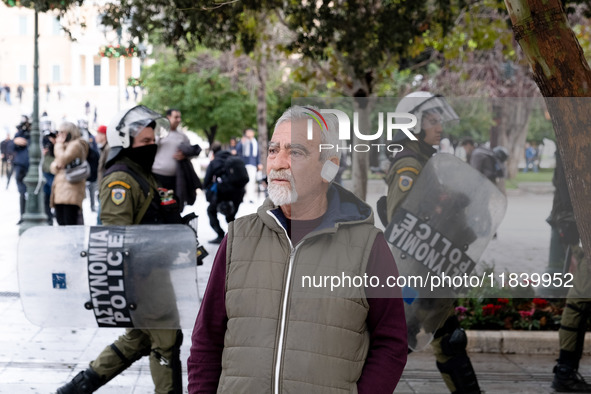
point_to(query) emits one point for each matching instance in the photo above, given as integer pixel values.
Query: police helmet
(418, 104)
(128, 123)
(501, 153)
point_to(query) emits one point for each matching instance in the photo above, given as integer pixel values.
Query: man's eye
(272, 151)
(297, 153)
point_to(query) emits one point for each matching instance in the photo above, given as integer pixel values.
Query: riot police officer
(129, 195)
(431, 111)
(575, 316)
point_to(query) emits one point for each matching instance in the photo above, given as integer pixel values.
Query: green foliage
(44, 6)
(354, 39)
(210, 104)
(479, 26)
(539, 127)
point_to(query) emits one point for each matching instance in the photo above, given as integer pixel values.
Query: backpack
(93, 160)
(235, 176)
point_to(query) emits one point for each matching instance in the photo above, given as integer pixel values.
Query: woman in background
(67, 197)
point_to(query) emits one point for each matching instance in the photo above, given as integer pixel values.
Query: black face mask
(143, 155)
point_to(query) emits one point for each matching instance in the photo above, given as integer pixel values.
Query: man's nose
(281, 161)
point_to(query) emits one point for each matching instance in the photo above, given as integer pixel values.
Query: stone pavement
(38, 360)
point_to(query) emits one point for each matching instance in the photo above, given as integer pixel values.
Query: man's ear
(330, 168)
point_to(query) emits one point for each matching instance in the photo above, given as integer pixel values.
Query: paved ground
(38, 360)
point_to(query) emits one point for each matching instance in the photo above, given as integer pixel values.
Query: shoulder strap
(402, 155)
(143, 184)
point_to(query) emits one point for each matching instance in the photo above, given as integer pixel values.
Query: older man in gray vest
(285, 310)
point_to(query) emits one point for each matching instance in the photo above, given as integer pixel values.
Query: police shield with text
(440, 214)
(130, 195)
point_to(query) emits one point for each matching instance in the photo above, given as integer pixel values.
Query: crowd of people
(258, 329)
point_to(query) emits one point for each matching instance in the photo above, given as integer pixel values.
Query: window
(56, 27)
(22, 73)
(22, 25)
(56, 73)
(97, 75)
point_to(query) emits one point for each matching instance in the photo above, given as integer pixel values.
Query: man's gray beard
(282, 195)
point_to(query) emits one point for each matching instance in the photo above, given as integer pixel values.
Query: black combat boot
(568, 380)
(85, 382)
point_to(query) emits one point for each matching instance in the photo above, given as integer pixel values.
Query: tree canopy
(210, 103)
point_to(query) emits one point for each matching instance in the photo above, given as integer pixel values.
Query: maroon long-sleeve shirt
(385, 321)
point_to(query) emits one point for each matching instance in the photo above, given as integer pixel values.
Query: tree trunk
(512, 119)
(360, 160)
(560, 70)
(261, 70)
(362, 104)
(211, 134)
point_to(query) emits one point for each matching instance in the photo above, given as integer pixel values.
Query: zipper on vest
(283, 315)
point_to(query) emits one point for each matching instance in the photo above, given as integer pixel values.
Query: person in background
(248, 150)
(445, 146)
(233, 144)
(21, 161)
(93, 159)
(70, 150)
(48, 158)
(490, 162)
(19, 93)
(221, 197)
(575, 316)
(531, 155)
(7, 154)
(172, 167)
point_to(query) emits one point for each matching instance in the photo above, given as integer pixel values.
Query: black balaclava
(142, 155)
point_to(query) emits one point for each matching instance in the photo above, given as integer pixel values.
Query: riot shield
(110, 276)
(437, 236)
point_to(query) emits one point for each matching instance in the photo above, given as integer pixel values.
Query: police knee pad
(453, 338)
(460, 370)
(455, 343)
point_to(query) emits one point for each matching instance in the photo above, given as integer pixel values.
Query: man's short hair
(171, 110)
(468, 141)
(215, 147)
(329, 136)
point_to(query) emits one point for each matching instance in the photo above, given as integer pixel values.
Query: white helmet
(418, 103)
(128, 123)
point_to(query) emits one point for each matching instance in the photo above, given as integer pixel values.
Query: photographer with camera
(21, 160)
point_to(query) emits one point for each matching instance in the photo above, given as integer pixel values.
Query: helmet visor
(439, 106)
(132, 122)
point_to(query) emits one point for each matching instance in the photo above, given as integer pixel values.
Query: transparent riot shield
(110, 276)
(437, 236)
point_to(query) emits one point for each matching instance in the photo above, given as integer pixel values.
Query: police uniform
(124, 202)
(129, 196)
(574, 320)
(448, 347)
(404, 171)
